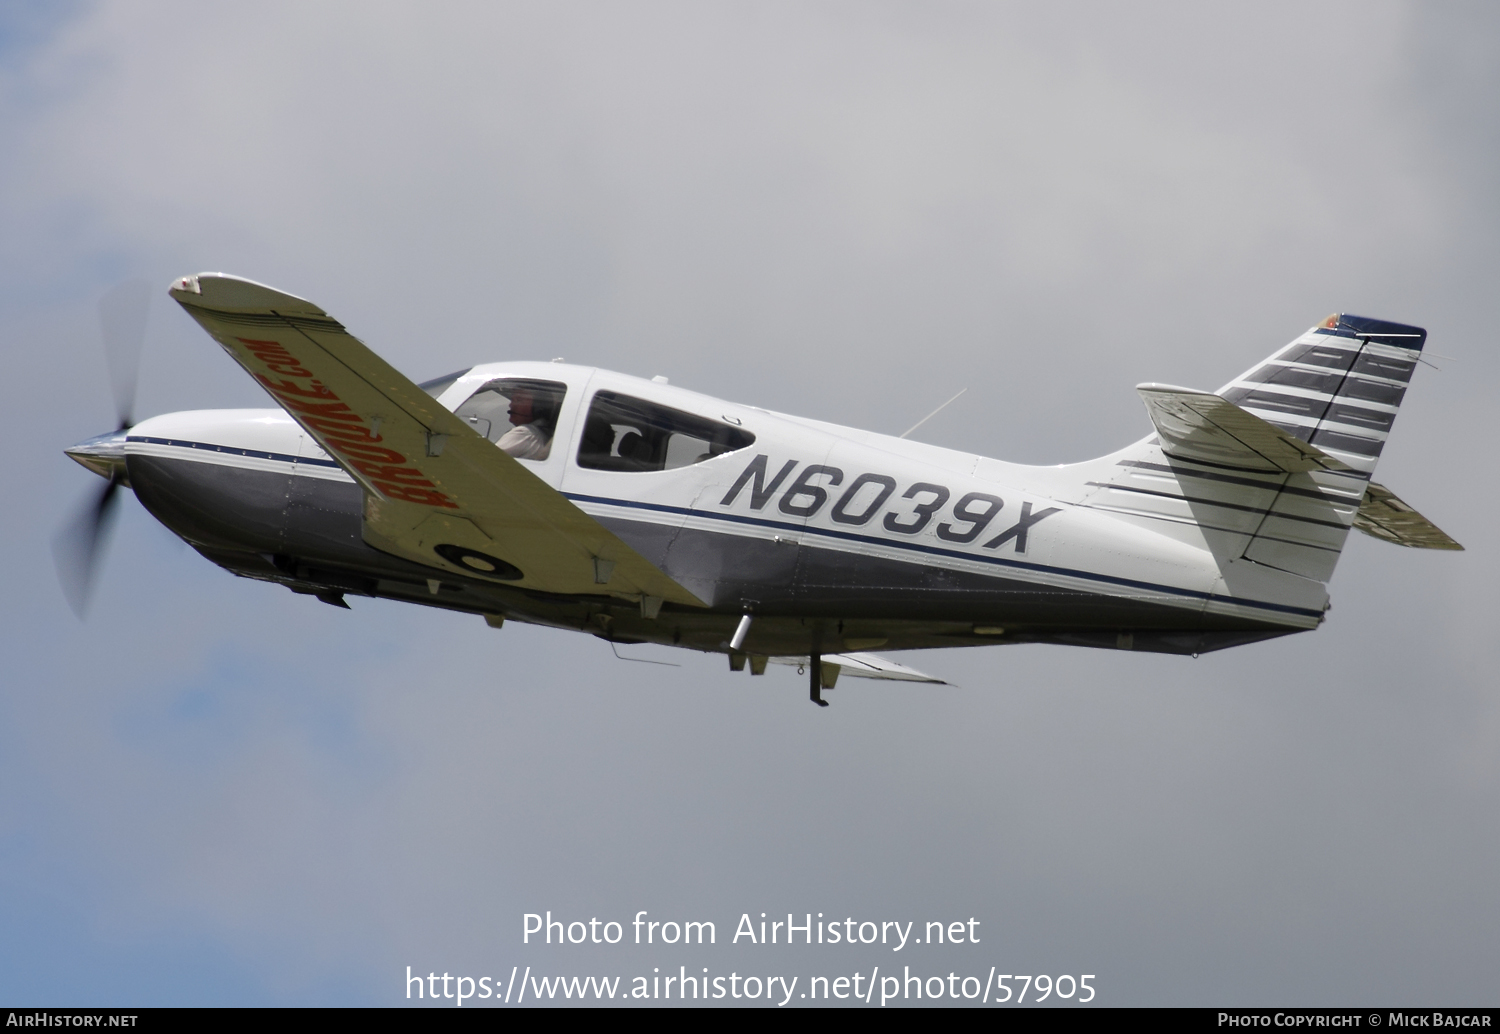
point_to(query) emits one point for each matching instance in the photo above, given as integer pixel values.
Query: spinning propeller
(78, 546)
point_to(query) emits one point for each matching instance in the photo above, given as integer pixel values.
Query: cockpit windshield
(438, 385)
(624, 433)
(518, 414)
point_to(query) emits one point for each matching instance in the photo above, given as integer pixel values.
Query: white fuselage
(804, 487)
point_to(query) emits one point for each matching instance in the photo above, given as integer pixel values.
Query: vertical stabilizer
(1272, 468)
(1337, 387)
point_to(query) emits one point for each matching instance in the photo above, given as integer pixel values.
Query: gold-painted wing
(435, 491)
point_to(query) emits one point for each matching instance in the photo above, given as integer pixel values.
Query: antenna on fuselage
(934, 413)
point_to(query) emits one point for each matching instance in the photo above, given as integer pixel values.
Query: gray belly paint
(306, 533)
(811, 581)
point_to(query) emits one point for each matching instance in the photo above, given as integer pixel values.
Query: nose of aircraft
(104, 454)
(76, 547)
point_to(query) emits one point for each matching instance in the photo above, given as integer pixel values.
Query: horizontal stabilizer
(1385, 516)
(867, 666)
(1198, 425)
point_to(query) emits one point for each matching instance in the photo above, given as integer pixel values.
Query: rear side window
(631, 434)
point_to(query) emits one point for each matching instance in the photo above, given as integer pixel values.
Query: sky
(213, 791)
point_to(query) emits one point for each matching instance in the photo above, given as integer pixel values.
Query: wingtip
(184, 285)
(1169, 389)
(224, 292)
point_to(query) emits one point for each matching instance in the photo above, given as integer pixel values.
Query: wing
(1200, 425)
(1387, 517)
(867, 666)
(436, 492)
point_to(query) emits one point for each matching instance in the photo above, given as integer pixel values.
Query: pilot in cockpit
(534, 415)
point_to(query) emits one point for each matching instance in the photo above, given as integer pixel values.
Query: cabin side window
(518, 414)
(631, 434)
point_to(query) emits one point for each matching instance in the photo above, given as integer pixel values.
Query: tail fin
(1337, 387)
(1274, 467)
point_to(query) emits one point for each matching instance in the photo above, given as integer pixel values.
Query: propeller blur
(78, 546)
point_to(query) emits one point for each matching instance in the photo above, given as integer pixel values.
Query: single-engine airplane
(640, 512)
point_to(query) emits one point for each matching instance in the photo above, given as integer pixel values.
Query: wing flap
(1202, 426)
(436, 492)
(1385, 516)
(867, 666)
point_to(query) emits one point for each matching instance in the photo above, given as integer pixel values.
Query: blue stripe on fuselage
(230, 451)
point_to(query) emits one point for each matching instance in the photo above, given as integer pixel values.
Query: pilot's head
(522, 406)
(533, 404)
